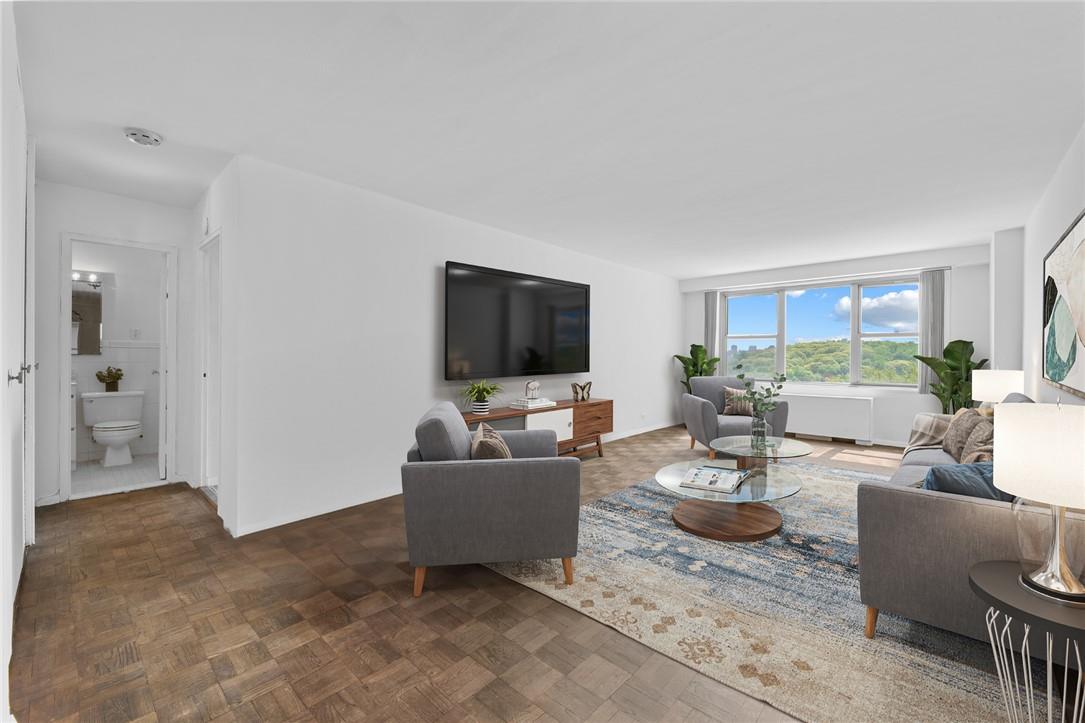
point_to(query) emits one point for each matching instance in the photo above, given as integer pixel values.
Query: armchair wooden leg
(567, 564)
(871, 621)
(692, 442)
(419, 580)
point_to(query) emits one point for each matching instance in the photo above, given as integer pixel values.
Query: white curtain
(711, 323)
(932, 322)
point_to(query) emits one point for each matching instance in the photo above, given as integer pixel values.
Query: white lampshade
(992, 385)
(1040, 452)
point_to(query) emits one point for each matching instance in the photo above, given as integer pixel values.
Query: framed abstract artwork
(1064, 311)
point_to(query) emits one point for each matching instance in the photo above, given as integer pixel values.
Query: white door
(212, 355)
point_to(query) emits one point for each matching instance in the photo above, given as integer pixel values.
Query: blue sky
(824, 313)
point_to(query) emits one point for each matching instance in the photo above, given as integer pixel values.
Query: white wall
(1007, 297)
(131, 293)
(13, 145)
(332, 323)
(967, 317)
(68, 209)
(1058, 207)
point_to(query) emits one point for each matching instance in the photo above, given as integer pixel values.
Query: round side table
(1015, 612)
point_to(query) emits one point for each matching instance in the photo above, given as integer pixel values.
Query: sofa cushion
(970, 480)
(487, 443)
(980, 446)
(442, 434)
(736, 403)
(960, 427)
(926, 457)
(733, 425)
(909, 475)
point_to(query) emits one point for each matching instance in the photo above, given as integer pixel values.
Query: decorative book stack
(538, 403)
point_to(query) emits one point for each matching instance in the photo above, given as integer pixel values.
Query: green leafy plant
(480, 391)
(110, 375)
(954, 370)
(697, 364)
(763, 399)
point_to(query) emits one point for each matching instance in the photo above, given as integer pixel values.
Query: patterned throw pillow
(960, 427)
(486, 443)
(980, 446)
(736, 403)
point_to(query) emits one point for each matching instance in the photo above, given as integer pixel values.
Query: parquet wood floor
(140, 607)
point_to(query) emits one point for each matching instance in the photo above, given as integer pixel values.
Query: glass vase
(758, 431)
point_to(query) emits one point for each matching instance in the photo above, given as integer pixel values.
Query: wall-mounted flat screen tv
(505, 324)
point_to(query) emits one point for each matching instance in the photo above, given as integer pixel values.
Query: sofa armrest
(460, 512)
(700, 418)
(526, 443)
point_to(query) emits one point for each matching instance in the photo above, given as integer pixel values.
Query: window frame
(855, 339)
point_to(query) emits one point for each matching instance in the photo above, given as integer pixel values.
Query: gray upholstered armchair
(703, 414)
(460, 510)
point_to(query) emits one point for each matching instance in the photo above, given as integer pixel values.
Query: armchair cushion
(728, 425)
(487, 443)
(711, 388)
(736, 403)
(527, 443)
(442, 434)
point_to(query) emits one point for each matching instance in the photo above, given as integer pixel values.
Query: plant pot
(480, 407)
(113, 386)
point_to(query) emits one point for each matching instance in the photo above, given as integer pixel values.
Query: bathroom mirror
(86, 318)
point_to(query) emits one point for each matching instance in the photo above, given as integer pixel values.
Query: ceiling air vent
(143, 137)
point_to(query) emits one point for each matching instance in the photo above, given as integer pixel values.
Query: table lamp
(1039, 455)
(993, 385)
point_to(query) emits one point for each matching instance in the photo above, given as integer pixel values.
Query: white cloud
(894, 311)
(796, 293)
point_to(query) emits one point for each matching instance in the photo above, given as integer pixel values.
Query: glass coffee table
(748, 455)
(740, 516)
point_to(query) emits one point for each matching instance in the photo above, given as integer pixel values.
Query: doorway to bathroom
(118, 319)
(211, 357)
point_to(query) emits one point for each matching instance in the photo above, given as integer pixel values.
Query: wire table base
(1014, 668)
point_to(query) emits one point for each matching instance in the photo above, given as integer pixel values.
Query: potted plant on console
(478, 394)
(762, 401)
(111, 377)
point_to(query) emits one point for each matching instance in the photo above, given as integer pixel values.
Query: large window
(858, 333)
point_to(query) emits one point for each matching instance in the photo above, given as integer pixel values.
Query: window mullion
(781, 331)
(856, 333)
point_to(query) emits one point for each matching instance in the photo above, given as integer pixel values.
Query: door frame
(30, 350)
(212, 239)
(167, 354)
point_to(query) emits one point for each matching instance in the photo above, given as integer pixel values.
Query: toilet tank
(111, 407)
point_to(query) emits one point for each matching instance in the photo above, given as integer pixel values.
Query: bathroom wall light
(76, 276)
(90, 278)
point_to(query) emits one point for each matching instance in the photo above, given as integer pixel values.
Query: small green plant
(763, 399)
(697, 364)
(480, 391)
(110, 375)
(954, 371)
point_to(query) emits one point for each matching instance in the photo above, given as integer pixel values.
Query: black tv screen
(505, 324)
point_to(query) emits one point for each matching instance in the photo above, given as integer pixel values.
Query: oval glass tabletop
(775, 447)
(762, 485)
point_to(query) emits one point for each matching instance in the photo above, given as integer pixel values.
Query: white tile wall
(137, 363)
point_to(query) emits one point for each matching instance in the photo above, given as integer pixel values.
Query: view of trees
(883, 361)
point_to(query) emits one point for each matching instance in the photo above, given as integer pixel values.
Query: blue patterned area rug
(779, 619)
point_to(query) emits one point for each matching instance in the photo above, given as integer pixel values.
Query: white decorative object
(531, 390)
(993, 385)
(1039, 455)
(480, 407)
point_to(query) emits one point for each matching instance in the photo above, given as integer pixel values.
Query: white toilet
(114, 421)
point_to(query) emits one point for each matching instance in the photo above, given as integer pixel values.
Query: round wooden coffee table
(738, 517)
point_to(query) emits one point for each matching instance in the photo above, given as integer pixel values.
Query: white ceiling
(690, 139)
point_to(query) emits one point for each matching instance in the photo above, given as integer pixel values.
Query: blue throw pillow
(970, 480)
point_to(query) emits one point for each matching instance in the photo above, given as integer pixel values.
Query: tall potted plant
(763, 401)
(954, 370)
(697, 364)
(478, 394)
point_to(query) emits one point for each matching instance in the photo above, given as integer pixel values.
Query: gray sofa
(916, 546)
(702, 411)
(460, 510)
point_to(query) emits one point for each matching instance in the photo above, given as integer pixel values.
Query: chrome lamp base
(1054, 579)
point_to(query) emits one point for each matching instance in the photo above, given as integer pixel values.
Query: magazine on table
(711, 478)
